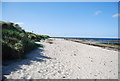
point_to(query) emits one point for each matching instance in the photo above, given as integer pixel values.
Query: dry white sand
(65, 60)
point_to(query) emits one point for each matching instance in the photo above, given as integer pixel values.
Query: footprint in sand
(79, 67)
(91, 60)
(74, 54)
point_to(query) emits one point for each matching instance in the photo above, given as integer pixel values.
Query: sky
(60, 0)
(65, 19)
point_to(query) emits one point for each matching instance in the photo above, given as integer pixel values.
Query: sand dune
(63, 59)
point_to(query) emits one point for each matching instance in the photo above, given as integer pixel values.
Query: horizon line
(82, 37)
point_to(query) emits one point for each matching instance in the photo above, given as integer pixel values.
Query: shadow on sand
(35, 55)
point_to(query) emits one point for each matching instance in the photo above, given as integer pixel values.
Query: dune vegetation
(16, 42)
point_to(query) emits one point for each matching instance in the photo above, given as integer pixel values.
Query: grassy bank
(108, 44)
(16, 42)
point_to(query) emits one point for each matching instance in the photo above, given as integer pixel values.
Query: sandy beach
(64, 59)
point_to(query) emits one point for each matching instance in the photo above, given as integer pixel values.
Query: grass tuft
(16, 42)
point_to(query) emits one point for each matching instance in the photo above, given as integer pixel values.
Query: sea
(96, 40)
(105, 42)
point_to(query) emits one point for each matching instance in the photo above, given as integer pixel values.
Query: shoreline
(104, 39)
(115, 48)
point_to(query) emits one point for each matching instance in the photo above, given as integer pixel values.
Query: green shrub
(36, 37)
(16, 42)
(9, 53)
(39, 45)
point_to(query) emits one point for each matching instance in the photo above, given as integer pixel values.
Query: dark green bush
(9, 53)
(36, 37)
(16, 42)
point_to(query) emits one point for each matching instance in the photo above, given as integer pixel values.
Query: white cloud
(98, 12)
(19, 23)
(115, 15)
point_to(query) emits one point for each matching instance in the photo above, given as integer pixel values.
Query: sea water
(97, 40)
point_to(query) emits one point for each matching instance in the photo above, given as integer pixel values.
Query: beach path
(64, 59)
